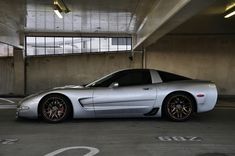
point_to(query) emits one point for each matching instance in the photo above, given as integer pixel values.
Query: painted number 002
(179, 138)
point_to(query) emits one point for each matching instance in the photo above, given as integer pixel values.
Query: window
(36, 45)
(113, 44)
(68, 45)
(135, 77)
(168, 77)
(40, 44)
(104, 44)
(50, 45)
(31, 45)
(77, 45)
(126, 78)
(59, 45)
(95, 44)
(86, 44)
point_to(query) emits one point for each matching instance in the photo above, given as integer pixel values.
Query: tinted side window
(107, 81)
(135, 77)
(168, 77)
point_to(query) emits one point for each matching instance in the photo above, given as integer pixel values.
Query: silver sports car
(125, 93)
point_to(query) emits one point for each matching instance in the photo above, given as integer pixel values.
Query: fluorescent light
(230, 14)
(57, 12)
(230, 6)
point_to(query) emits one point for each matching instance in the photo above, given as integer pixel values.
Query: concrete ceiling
(149, 20)
(209, 21)
(88, 16)
(12, 19)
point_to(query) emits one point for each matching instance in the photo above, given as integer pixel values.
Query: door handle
(146, 88)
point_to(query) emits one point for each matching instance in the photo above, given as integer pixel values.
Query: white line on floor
(8, 106)
(3, 99)
(93, 151)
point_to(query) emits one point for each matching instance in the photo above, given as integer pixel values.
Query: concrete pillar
(19, 72)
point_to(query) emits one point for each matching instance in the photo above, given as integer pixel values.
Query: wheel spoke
(54, 109)
(179, 107)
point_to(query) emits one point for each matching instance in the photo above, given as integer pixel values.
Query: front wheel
(179, 106)
(55, 108)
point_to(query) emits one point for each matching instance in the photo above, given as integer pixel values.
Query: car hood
(55, 88)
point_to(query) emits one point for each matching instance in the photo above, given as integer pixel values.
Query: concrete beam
(164, 17)
(12, 21)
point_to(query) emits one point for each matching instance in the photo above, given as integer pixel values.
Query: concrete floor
(207, 134)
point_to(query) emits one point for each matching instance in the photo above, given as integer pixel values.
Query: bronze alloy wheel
(179, 107)
(55, 108)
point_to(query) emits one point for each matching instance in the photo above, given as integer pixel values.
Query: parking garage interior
(40, 50)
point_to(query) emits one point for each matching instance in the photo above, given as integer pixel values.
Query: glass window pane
(129, 44)
(68, 42)
(40, 45)
(59, 45)
(122, 44)
(121, 41)
(104, 44)
(132, 78)
(77, 45)
(3, 49)
(112, 44)
(50, 45)
(31, 46)
(86, 44)
(95, 44)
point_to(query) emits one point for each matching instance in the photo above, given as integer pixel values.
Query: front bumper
(27, 108)
(21, 111)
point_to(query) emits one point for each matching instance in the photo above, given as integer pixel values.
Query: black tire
(55, 108)
(178, 106)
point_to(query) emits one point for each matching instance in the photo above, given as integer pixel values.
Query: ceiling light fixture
(59, 7)
(230, 6)
(230, 11)
(58, 11)
(229, 14)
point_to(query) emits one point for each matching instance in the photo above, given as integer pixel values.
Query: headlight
(23, 108)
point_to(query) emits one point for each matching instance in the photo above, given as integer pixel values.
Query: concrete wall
(200, 57)
(51, 71)
(6, 76)
(12, 75)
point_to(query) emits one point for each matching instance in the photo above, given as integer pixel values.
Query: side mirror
(114, 85)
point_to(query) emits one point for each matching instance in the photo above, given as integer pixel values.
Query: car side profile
(125, 93)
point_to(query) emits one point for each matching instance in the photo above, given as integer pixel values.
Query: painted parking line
(8, 141)
(92, 151)
(8, 106)
(7, 100)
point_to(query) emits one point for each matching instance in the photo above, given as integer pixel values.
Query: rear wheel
(55, 108)
(179, 106)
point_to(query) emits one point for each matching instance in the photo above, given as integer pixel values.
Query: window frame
(81, 51)
(114, 77)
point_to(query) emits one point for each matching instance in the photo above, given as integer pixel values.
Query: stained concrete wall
(6, 76)
(200, 57)
(12, 75)
(52, 71)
